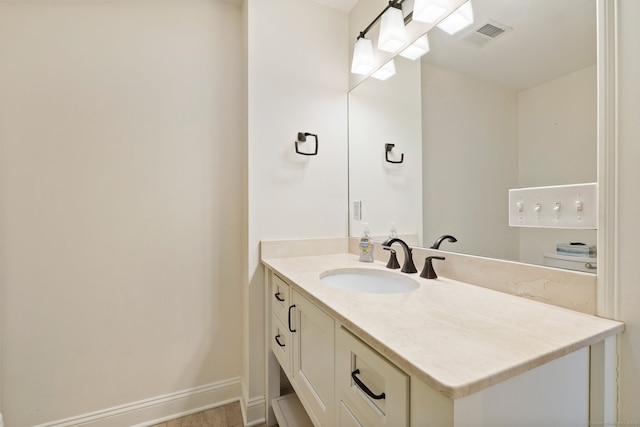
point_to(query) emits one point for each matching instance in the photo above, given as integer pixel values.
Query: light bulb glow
(459, 19)
(429, 10)
(386, 71)
(363, 61)
(393, 34)
(417, 48)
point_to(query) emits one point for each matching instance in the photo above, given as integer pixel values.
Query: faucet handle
(428, 272)
(393, 260)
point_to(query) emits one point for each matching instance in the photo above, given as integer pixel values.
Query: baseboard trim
(156, 410)
(255, 412)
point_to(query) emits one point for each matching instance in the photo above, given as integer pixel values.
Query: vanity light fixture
(393, 34)
(429, 10)
(363, 61)
(392, 37)
(386, 71)
(417, 48)
(459, 19)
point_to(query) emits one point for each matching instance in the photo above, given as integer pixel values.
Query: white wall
(557, 144)
(297, 82)
(470, 160)
(628, 267)
(557, 131)
(121, 219)
(382, 112)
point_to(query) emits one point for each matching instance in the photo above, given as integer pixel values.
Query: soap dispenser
(366, 245)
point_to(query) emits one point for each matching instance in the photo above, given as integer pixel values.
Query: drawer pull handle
(277, 295)
(364, 388)
(590, 266)
(291, 308)
(278, 340)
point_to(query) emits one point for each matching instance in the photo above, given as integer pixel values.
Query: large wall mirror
(473, 118)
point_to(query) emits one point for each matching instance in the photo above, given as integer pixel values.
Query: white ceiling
(550, 38)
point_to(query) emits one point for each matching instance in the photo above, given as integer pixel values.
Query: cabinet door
(346, 417)
(375, 390)
(313, 359)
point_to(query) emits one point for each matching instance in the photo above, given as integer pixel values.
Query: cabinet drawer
(374, 389)
(280, 299)
(281, 344)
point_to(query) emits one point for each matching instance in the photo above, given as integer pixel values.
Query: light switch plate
(558, 206)
(357, 210)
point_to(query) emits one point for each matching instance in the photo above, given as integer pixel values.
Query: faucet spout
(436, 244)
(408, 266)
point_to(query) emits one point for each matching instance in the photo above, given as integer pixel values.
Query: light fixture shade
(429, 10)
(393, 34)
(417, 48)
(363, 61)
(386, 71)
(459, 19)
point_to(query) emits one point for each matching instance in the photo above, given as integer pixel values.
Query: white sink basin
(369, 281)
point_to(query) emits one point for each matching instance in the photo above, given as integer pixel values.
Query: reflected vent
(486, 33)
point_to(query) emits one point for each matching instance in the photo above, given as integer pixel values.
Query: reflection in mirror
(474, 118)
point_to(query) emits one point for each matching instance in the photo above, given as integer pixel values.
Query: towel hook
(302, 137)
(389, 147)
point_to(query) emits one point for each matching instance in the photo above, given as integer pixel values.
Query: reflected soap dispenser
(366, 245)
(393, 233)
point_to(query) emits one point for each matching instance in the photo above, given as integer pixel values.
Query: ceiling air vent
(490, 30)
(486, 33)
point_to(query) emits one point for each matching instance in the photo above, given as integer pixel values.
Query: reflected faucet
(436, 244)
(408, 266)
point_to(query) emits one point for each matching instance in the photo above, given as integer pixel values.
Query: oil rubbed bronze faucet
(436, 244)
(428, 272)
(408, 266)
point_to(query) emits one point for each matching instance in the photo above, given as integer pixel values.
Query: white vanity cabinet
(343, 380)
(302, 340)
(338, 378)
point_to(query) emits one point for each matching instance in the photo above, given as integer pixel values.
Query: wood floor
(222, 416)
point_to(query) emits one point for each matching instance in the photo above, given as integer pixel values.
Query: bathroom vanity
(445, 354)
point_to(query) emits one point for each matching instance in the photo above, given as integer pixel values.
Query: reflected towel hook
(302, 137)
(389, 147)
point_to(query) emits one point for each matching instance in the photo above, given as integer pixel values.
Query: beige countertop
(457, 338)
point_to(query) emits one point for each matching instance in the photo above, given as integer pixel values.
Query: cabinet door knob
(278, 340)
(364, 388)
(278, 297)
(290, 309)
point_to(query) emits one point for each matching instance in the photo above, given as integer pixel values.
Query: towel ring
(389, 147)
(302, 137)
